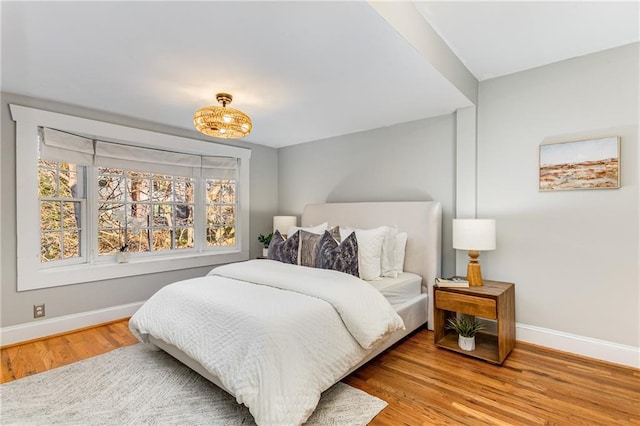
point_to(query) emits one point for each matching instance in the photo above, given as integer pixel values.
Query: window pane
(109, 241)
(68, 185)
(71, 244)
(71, 215)
(50, 213)
(221, 236)
(138, 190)
(213, 215)
(111, 188)
(161, 239)
(184, 238)
(227, 215)
(50, 246)
(162, 190)
(214, 189)
(228, 192)
(228, 235)
(212, 237)
(221, 191)
(139, 213)
(110, 215)
(47, 180)
(139, 242)
(162, 215)
(183, 190)
(184, 215)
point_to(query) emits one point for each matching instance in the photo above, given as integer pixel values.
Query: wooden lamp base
(474, 273)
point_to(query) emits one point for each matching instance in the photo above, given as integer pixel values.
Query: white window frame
(31, 274)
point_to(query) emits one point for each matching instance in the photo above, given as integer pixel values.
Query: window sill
(76, 274)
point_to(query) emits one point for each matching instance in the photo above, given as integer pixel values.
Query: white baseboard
(37, 329)
(580, 345)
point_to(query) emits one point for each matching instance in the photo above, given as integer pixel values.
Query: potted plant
(265, 240)
(130, 228)
(122, 256)
(467, 327)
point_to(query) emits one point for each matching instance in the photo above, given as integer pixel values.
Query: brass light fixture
(222, 121)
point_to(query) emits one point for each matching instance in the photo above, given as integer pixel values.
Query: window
(144, 212)
(97, 189)
(221, 195)
(62, 211)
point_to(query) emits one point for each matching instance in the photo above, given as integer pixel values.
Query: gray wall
(572, 254)
(405, 162)
(17, 307)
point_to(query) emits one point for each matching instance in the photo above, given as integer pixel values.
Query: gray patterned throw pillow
(341, 257)
(309, 244)
(285, 251)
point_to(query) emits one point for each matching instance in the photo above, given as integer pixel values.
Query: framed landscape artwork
(586, 164)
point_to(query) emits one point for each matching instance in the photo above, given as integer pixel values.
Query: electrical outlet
(38, 311)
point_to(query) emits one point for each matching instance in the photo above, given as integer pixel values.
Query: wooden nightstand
(495, 301)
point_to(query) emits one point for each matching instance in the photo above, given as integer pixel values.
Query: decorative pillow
(319, 229)
(369, 250)
(308, 248)
(401, 244)
(285, 251)
(341, 257)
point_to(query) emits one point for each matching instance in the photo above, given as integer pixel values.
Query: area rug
(139, 385)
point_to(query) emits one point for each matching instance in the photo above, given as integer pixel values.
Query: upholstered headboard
(420, 219)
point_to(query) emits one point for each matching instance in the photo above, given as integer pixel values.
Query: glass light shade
(474, 234)
(222, 121)
(283, 223)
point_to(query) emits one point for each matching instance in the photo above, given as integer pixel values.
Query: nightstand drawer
(470, 305)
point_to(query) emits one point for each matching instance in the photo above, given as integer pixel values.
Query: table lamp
(474, 235)
(283, 223)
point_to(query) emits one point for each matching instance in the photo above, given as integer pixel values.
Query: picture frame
(582, 164)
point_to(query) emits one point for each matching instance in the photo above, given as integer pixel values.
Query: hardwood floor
(425, 385)
(41, 355)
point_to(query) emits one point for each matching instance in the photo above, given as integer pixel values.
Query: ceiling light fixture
(222, 122)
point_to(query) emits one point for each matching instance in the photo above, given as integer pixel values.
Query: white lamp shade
(474, 234)
(283, 223)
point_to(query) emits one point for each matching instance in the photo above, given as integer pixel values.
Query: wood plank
(425, 385)
(91, 327)
(479, 306)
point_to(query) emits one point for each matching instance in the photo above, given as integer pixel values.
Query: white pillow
(388, 260)
(401, 245)
(369, 250)
(319, 229)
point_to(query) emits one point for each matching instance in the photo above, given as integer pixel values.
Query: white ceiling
(498, 38)
(302, 70)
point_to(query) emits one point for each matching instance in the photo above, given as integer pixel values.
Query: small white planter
(265, 252)
(122, 257)
(467, 343)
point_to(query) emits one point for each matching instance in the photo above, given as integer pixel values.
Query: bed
(312, 335)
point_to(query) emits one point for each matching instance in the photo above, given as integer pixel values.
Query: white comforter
(275, 335)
